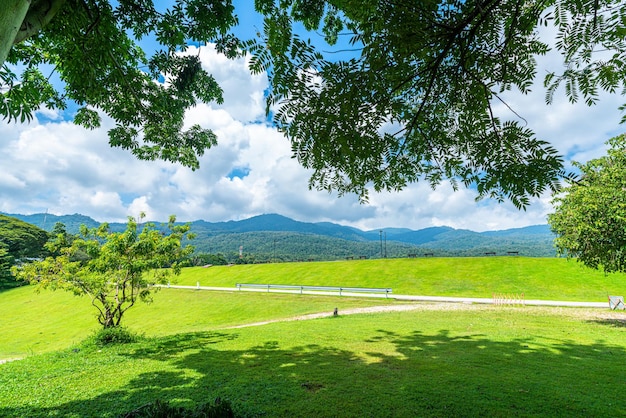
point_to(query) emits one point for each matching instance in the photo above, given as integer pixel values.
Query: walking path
(415, 298)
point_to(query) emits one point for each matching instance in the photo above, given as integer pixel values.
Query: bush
(161, 409)
(113, 335)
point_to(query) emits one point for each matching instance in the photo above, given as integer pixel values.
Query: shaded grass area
(33, 322)
(469, 361)
(537, 278)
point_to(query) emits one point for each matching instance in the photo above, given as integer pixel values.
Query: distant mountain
(276, 236)
(422, 236)
(279, 223)
(529, 230)
(46, 221)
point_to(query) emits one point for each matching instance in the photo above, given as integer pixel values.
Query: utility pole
(385, 244)
(381, 243)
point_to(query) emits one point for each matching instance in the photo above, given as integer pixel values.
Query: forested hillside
(18, 240)
(277, 238)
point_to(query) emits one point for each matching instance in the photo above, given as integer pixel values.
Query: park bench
(302, 289)
(616, 302)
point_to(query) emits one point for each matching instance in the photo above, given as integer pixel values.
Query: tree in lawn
(121, 268)
(590, 215)
(414, 100)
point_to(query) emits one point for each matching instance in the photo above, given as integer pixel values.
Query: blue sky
(52, 165)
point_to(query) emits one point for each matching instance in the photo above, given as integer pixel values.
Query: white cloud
(56, 166)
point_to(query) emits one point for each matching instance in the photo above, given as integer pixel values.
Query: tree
(590, 216)
(415, 95)
(92, 45)
(414, 98)
(6, 261)
(21, 239)
(122, 267)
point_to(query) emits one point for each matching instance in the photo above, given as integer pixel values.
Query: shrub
(113, 335)
(162, 409)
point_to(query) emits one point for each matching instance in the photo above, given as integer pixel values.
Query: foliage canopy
(93, 46)
(416, 96)
(21, 239)
(590, 215)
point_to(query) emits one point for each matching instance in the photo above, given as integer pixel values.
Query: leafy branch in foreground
(93, 47)
(421, 95)
(120, 268)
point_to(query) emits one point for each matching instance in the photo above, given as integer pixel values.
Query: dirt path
(370, 309)
(581, 313)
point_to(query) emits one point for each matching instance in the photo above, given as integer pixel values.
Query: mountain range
(275, 236)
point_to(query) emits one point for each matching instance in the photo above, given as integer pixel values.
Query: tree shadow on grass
(611, 322)
(416, 375)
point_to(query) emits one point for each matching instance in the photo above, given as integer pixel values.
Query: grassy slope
(34, 323)
(486, 361)
(537, 278)
(39, 322)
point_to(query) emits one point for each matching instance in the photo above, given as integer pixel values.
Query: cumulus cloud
(55, 166)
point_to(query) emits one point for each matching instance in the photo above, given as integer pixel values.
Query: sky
(50, 165)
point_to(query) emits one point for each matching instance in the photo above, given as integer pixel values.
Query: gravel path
(384, 308)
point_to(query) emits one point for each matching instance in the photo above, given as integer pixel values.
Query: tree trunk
(20, 19)
(110, 318)
(12, 14)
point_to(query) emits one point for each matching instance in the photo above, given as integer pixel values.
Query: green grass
(475, 361)
(33, 322)
(465, 360)
(537, 278)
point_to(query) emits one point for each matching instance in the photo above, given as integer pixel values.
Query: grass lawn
(537, 278)
(438, 360)
(34, 323)
(38, 322)
(458, 360)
